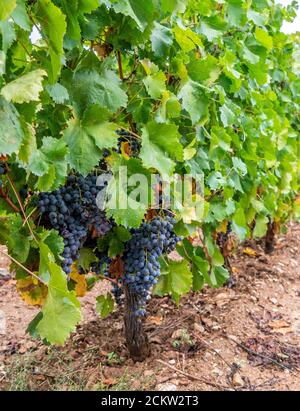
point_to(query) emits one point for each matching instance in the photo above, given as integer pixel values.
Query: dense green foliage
(209, 87)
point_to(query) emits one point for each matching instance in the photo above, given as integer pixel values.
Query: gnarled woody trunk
(270, 238)
(136, 338)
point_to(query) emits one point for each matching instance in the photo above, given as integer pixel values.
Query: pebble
(199, 328)
(237, 380)
(167, 387)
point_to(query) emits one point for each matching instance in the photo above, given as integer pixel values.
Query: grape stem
(112, 280)
(24, 268)
(29, 215)
(119, 57)
(8, 201)
(131, 132)
(207, 255)
(21, 206)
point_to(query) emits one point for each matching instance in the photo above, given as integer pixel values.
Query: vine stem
(119, 58)
(193, 377)
(29, 215)
(113, 281)
(21, 206)
(24, 268)
(208, 257)
(8, 201)
(131, 132)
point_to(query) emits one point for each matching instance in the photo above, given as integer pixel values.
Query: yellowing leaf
(25, 88)
(80, 282)
(125, 150)
(264, 38)
(223, 227)
(32, 291)
(249, 251)
(187, 39)
(157, 320)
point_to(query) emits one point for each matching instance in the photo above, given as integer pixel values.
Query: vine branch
(24, 268)
(119, 58)
(9, 201)
(21, 206)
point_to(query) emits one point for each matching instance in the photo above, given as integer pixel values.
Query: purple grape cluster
(126, 136)
(102, 267)
(3, 171)
(72, 210)
(141, 258)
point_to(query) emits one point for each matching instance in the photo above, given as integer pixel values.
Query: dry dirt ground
(242, 338)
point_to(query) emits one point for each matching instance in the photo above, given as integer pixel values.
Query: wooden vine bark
(136, 337)
(270, 238)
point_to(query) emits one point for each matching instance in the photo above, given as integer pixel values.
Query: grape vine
(72, 211)
(208, 90)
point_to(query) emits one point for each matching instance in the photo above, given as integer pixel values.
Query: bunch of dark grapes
(72, 211)
(222, 237)
(3, 171)
(102, 267)
(24, 192)
(141, 258)
(127, 137)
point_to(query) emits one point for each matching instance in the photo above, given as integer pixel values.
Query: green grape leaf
(25, 88)
(174, 6)
(122, 234)
(141, 13)
(264, 38)
(227, 115)
(162, 39)
(20, 16)
(8, 34)
(194, 101)
(87, 6)
(86, 140)
(55, 242)
(61, 311)
(158, 152)
(187, 39)
(53, 23)
(83, 152)
(86, 258)
(99, 86)
(28, 145)
(116, 247)
(49, 163)
(218, 276)
(261, 226)
(96, 124)
(155, 84)
(58, 93)
(249, 56)
(205, 71)
(176, 279)
(105, 305)
(127, 201)
(38, 163)
(212, 27)
(236, 12)
(18, 240)
(11, 133)
(170, 108)
(239, 224)
(6, 8)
